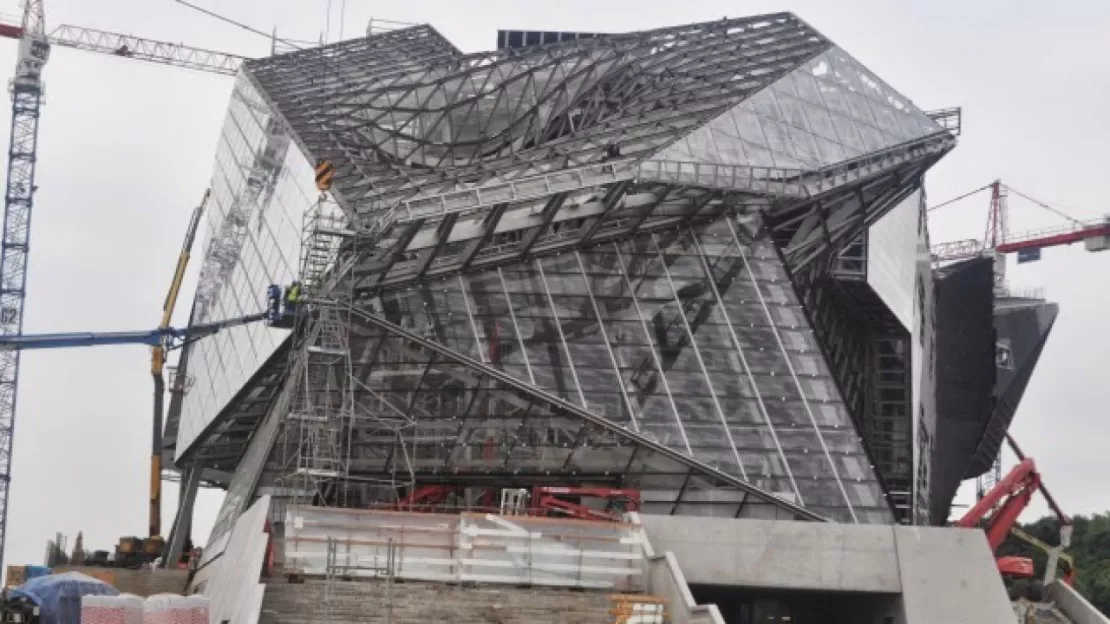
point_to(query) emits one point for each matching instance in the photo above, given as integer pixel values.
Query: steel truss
(128, 46)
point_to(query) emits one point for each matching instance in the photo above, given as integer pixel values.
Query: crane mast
(26, 89)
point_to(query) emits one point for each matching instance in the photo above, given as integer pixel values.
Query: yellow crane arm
(158, 359)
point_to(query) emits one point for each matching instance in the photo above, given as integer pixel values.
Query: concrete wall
(778, 554)
(928, 574)
(1074, 605)
(665, 579)
(139, 582)
(949, 575)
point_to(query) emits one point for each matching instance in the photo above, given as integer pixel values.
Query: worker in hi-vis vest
(292, 297)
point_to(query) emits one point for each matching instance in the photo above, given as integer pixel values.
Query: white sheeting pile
(158, 609)
(122, 609)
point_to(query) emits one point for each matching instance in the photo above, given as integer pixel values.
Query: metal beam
(546, 216)
(443, 231)
(183, 519)
(613, 197)
(536, 393)
(492, 218)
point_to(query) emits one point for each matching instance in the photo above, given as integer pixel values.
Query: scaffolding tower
(330, 403)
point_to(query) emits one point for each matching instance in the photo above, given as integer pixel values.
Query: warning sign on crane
(324, 174)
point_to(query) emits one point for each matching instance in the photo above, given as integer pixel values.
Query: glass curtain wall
(261, 187)
(694, 339)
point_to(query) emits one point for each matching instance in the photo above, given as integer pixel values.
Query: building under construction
(690, 263)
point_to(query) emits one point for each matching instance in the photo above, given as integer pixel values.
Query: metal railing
(532, 187)
(788, 181)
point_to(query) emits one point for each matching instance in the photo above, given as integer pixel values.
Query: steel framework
(576, 263)
(19, 196)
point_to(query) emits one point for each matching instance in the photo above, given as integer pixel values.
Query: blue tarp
(59, 596)
(34, 571)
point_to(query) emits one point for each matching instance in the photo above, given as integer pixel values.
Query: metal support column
(183, 519)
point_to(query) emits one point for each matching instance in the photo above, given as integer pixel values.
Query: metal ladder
(323, 231)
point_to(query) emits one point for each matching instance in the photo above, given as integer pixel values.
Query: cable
(1043, 205)
(342, 18)
(956, 199)
(272, 37)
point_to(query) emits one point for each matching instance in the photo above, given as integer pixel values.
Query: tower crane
(1095, 233)
(26, 91)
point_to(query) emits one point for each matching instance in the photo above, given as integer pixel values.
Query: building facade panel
(827, 110)
(892, 257)
(261, 187)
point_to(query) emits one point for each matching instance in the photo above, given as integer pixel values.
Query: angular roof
(433, 148)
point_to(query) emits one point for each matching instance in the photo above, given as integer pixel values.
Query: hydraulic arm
(157, 364)
(168, 337)
(997, 512)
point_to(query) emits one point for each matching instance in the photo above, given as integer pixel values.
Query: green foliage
(1090, 545)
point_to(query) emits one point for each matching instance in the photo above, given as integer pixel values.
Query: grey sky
(126, 150)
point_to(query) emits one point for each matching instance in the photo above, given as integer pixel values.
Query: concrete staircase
(348, 602)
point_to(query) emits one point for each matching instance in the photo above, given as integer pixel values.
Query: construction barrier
(122, 609)
(462, 548)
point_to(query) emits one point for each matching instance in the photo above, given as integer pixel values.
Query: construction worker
(292, 297)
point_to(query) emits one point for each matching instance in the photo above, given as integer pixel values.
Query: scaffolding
(330, 407)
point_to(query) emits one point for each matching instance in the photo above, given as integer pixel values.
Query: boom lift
(544, 500)
(168, 338)
(551, 501)
(998, 510)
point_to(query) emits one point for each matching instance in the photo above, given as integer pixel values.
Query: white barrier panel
(469, 547)
(122, 609)
(231, 582)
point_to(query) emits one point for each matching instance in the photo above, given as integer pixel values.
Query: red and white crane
(1095, 233)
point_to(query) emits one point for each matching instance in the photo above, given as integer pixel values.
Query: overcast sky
(126, 150)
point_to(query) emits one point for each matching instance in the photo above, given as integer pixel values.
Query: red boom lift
(997, 512)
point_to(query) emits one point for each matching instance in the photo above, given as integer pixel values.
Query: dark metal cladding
(965, 372)
(1021, 329)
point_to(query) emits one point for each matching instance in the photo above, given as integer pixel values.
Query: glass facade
(693, 338)
(261, 187)
(827, 110)
(513, 303)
